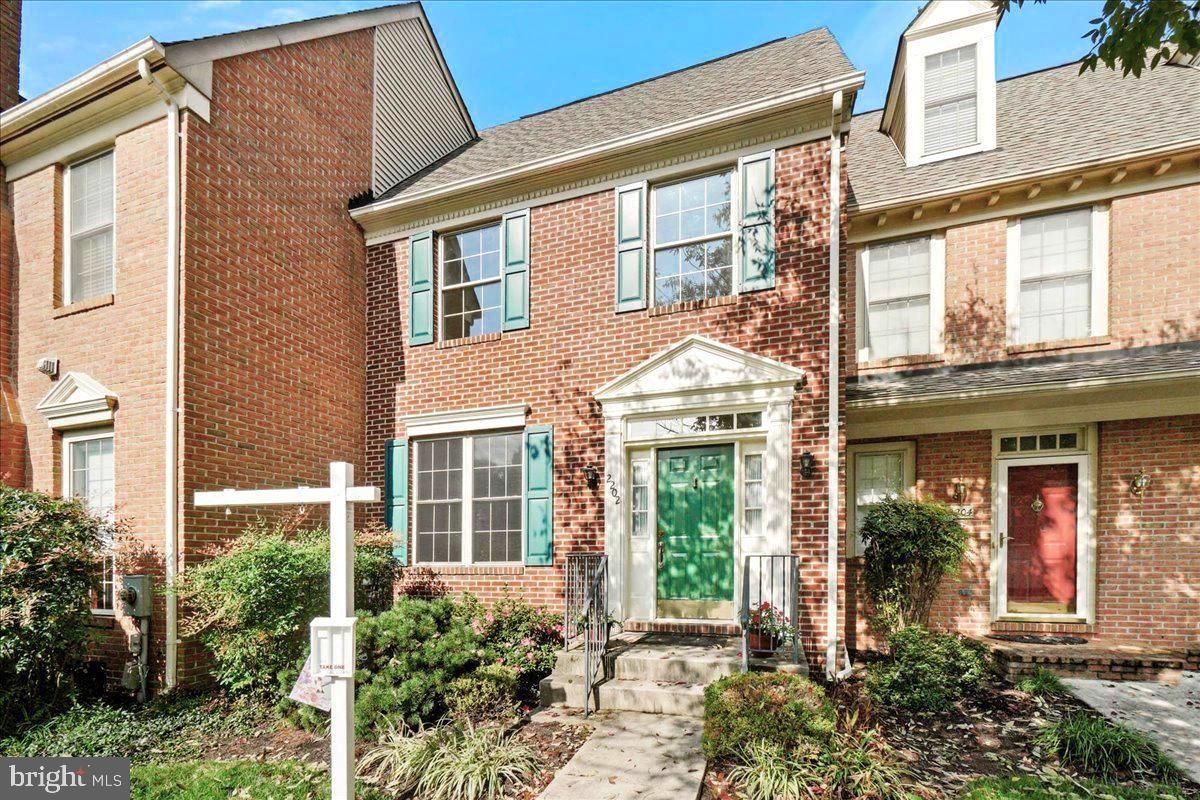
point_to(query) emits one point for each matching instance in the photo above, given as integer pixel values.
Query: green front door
(695, 532)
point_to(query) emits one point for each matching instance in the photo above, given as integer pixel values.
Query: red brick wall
(576, 343)
(12, 427)
(1148, 548)
(273, 295)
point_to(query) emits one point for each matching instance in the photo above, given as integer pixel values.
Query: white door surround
(695, 376)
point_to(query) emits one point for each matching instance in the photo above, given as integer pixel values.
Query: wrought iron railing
(595, 633)
(775, 580)
(580, 569)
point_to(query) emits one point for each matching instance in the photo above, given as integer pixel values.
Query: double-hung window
(902, 293)
(469, 492)
(89, 225)
(471, 282)
(1055, 269)
(951, 114)
(876, 472)
(88, 474)
(693, 239)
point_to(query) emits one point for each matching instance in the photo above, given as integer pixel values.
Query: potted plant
(766, 627)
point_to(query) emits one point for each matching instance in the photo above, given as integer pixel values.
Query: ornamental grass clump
(1098, 747)
(1043, 683)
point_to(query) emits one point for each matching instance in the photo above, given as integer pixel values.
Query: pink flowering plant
(515, 634)
(767, 619)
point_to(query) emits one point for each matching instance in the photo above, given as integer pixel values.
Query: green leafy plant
(769, 707)
(910, 547)
(515, 634)
(770, 772)
(220, 780)
(1097, 747)
(49, 561)
(1048, 788)
(1043, 683)
(767, 619)
(927, 670)
(251, 602)
(487, 695)
(449, 762)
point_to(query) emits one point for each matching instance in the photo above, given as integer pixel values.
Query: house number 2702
(612, 489)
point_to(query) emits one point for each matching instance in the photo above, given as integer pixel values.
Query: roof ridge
(396, 4)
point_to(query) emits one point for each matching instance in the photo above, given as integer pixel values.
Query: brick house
(707, 316)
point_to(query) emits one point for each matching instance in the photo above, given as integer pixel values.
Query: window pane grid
(950, 101)
(877, 476)
(752, 493)
(1055, 273)
(92, 480)
(693, 256)
(91, 228)
(471, 283)
(439, 500)
(640, 500)
(898, 307)
(496, 498)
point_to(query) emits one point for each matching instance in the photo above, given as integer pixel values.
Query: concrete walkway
(630, 756)
(1168, 713)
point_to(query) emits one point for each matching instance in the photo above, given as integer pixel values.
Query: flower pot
(762, 644)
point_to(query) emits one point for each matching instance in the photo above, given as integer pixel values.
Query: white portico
(732, 410)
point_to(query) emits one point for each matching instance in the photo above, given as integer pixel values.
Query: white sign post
(333, 635)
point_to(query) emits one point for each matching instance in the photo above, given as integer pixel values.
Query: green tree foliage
(928, 671)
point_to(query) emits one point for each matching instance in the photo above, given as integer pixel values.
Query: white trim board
(439, 423)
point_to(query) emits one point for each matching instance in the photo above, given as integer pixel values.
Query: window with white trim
(639, 504)
(469, 493)
(88, 474)
(902, 296)
(1055, 300)
(90, 212)
(471, 282)
(951, 119)
(752, 494)
(876, 472)
(693, 239)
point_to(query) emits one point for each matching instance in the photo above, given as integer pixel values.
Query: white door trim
(1085, 533)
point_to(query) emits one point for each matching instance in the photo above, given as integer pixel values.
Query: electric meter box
(136, 595)
(332, 642)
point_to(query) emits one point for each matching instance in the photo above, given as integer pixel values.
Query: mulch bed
(989, 736)
(554, 743)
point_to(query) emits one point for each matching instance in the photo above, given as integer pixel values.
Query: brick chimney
(12, 427)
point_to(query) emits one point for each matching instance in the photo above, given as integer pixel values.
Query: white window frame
(917, 47)
(442, 287)
(69, 440)
(735, 216)
(937, 297)
(68, 237)
(467, 500)
(1099, 281)
(908, 452)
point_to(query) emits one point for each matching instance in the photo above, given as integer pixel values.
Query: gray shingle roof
(1045, 119)
(769, 69)
(1033, 373)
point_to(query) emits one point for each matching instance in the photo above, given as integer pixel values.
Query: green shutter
(631, 247)
(420, 289)
(539, 495)
(514, 299)
(395, 483)
(758, 222)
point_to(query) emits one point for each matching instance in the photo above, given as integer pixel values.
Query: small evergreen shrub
(911, 546)
(1042, 683)
(487, 695)
(1097, 747)
(927, 670)
(251, 603)
(782, 710)
(49, 560)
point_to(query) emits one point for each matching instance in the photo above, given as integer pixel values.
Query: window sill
(473, 569)
(895, 362)
(693, 305)
(467, 341)
(80, 306)
(1061, 344)
(100, 619)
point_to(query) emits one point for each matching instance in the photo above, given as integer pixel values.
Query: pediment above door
(77, 400)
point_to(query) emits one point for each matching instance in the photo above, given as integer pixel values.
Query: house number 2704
(612, 489)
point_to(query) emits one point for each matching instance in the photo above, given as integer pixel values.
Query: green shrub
(49, 560)
(1042, 683)
(1048, 788)
(449, 762)
(928, 671)
(763, 706)
(1097, 747)
(518, 635)
(911, 546)
(220, 780)
(489, 694)
(251, 603)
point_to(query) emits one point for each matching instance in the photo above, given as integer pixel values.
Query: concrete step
(649, 697)
(643, 663)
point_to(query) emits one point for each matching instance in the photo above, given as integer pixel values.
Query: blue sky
(514, 58)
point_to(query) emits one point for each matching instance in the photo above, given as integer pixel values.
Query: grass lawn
(219, 780)
(1027, 788)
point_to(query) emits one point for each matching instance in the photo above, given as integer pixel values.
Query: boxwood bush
(49, 561)
(754, 707)
(927, 670)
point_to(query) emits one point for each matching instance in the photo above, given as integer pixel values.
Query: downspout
(171, 405)
(835, 219)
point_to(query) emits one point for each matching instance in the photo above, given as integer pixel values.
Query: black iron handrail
(580, 569)
(595, 639)
(773, 579)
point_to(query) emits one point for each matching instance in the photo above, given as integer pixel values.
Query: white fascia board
(438, 423)
(377, 212)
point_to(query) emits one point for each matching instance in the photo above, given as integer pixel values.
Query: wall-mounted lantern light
(592, 476)
(1139, 484)
(960, 492)
(808, 463)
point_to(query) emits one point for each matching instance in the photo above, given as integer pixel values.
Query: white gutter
(835, 219)
(171, 405)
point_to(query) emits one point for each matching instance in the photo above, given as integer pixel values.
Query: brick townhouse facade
(610, 327)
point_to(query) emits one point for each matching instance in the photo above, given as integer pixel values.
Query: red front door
(1042, 538)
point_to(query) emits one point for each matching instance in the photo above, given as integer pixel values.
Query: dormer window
(951, 106)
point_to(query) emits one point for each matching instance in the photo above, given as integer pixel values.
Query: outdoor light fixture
(593, 477)
(1139, 484)
(808, 463)
(960, 492)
